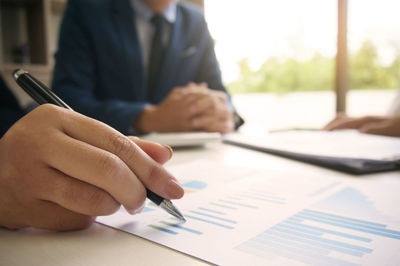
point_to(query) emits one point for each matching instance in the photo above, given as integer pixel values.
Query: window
(374, 55)
(278, 58)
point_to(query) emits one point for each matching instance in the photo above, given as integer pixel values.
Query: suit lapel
(124, 23)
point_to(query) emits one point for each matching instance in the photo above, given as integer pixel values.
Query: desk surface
(101, 245)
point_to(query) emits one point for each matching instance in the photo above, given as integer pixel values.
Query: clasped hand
(190, 108)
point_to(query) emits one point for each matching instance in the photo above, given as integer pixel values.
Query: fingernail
(171, 152)
(173, 189)
(138, 210)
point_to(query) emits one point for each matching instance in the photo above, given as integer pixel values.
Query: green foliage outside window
(316, 74)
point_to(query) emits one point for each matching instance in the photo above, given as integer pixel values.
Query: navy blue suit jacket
(99, 70)
(10, 111)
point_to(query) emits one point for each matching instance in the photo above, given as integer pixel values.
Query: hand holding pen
(60, 169)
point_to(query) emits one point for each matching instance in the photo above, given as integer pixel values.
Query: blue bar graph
(296, 228)
(322, 190)
(316, 237)
(311, 242)
(263, 195)
(361, 228)
(238, 204)
(211, 210)
(209, 221)
(323, 240)
(162, 229)
(257, 191)
(322, 230)
(263, 198)
(178, 226)
(214, 217)
(223, 206)
(334, 216)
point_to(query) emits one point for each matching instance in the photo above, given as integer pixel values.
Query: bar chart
(220, 212)
(277, 218)
(323, 238)
(213, 214)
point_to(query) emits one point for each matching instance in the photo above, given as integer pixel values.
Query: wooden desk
(100, 245)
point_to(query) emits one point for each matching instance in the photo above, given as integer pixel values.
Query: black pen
(42, 95)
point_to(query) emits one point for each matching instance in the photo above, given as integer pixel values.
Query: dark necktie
(156, 54)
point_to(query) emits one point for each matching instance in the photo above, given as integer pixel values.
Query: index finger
(153, 175)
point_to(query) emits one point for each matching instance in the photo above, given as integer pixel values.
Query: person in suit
(142, 66)
(60, 169)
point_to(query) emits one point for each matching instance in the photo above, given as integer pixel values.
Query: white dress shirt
(145, 29)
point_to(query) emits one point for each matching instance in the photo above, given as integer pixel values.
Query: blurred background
(287, 63)
(278, 58)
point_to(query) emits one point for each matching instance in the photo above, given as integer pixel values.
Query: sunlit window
(278, 57)
(374, 55)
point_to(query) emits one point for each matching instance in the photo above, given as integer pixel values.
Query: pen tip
(172, 209)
